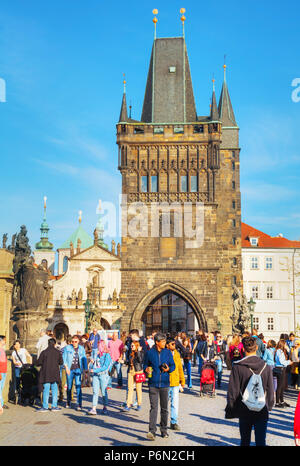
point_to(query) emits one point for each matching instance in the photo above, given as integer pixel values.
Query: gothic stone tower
(173, 155)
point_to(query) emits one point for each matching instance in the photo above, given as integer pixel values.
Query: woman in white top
(19, 357)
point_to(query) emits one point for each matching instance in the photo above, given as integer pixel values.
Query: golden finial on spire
(155, 12)
(183, 18)
(45, 202)
(124, 83)
(213, 81)
(80, 216)
(224, 66)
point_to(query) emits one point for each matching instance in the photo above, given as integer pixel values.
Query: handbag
(277, 371)
(139, 378)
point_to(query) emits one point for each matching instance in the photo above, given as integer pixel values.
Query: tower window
(178, 130)
(139, 130)
(154, 183)
(144, 184)
(183, 183)
(194, 183)
(233, 185)
(198, 129)
(233, 204)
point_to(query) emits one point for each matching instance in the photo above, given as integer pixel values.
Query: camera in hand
(163, 366)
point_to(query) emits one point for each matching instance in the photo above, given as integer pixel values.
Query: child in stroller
(208, 379)
(28, 389)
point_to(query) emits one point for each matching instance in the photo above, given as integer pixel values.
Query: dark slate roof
(123, 112)
(214, 113)
(225, 108)
(169, 96)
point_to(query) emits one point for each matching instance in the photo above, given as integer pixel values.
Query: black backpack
(236, 354)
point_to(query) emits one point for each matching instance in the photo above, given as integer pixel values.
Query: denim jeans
(118, 367)
(100, 382)
(2, 382)
(188, 367)
(94, 353)
(174, 397)
(200, 364)
(260, 431)
(74, 374)
(46, 394)
(219, 364)
(18, 377)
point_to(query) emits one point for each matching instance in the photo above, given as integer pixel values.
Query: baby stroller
(28, 384)
(208, 379)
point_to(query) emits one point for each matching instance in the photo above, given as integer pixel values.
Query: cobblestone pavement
(201, 420)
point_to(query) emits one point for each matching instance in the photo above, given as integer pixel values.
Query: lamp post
(251, 305)
(87, 310)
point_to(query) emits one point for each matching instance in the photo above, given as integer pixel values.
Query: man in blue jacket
(158, 364)
(75, 363)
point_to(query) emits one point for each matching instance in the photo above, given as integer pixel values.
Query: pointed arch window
(65, 263)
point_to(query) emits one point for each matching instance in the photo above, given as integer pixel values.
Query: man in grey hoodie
(238, 381)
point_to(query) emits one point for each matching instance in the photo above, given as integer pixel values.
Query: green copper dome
(79, 233)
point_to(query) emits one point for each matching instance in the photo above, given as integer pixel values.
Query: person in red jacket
(297, 423)
(3, 369)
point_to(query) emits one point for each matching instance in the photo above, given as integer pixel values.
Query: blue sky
(63, 64)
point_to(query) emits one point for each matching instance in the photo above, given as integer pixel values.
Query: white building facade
(271, 276)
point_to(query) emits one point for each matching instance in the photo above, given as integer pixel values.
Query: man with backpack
(250, 394)
(260, 344)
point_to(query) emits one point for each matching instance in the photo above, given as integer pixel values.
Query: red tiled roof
(264, 240)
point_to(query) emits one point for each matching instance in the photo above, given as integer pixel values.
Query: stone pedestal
(26, 326)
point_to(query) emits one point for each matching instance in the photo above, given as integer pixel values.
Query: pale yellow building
(6, 288)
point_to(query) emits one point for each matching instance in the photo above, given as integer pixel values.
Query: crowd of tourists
(164, 362)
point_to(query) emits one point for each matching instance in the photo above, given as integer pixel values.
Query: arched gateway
(168, 308)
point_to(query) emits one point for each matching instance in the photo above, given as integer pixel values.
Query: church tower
(44, 253)
(170, 160)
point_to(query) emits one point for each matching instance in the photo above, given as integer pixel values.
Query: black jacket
(137, 361)
(50, 359)
(238, 381)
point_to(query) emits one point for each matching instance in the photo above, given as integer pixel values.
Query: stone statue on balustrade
(30, 293)
(241, 320)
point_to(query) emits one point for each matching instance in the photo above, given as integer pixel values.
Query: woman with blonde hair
(236, 349)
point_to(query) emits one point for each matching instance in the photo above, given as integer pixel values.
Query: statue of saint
(241, 316)
(4, 240)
